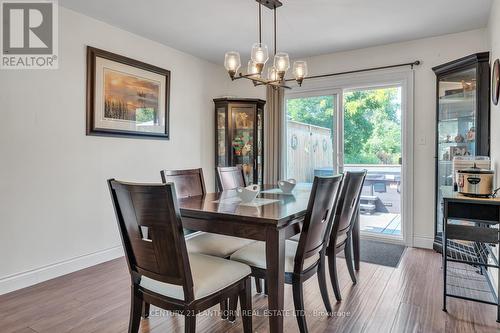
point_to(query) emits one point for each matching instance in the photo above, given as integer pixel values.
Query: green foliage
(316, 111)
(372, 123)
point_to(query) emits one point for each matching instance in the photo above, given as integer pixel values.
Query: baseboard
(32, 277)
(423, 242)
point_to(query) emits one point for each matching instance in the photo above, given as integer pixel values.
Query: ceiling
(209, 28)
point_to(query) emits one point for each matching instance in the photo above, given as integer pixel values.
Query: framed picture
(126, 97)
(458, 151)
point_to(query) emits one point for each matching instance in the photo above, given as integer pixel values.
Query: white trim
(423, 242)
(382, 78)
(25, 279)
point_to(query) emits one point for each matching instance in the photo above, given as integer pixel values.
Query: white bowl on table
(288, 185)
(249, 193)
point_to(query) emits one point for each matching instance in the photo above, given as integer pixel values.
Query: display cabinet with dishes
(462, 122)
(239, 135)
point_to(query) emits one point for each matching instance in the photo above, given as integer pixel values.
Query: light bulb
(282, 62)
(299, 71)
(232, 63)
(260, 54)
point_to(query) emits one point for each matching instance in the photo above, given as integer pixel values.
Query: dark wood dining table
(273, 218)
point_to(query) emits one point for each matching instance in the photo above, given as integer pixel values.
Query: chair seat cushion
(210, 275)
(255, 255)
(215, 245)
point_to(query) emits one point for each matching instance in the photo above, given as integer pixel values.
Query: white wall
(54, 201)
(431, 52)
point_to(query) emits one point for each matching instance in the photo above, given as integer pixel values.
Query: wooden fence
(309, 147)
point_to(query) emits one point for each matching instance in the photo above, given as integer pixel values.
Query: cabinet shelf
(472, 253)
(469, 282)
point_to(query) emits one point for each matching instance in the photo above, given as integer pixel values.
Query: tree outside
(372, 123)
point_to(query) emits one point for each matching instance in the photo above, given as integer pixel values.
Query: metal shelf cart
(470, 249)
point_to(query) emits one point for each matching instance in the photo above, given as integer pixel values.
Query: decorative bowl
(288, 185)
(249, 193)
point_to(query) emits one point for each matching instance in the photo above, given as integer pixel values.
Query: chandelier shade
(253, 69)
(232, 62)
(260, 53)
(299, 71)
(272, 74)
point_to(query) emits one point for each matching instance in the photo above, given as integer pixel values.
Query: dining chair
(305, 258)
(162, 271)
(229, 178)
(341, 235)
(190, 183)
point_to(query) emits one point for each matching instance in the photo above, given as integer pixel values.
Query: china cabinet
(462, 121)
(239, 135)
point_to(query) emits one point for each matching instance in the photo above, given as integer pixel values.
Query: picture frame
(126, 97)
(458, 151)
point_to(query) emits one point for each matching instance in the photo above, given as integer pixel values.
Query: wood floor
(403, 299)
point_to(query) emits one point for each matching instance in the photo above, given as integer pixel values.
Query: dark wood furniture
(341, 235)
(309, 256)
(272, 223)
(462, 121)
(188, 183)
(239, 136)
(229, 178)
(470, 242)
(163, 257)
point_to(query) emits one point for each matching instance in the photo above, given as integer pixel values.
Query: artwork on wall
(126, 97)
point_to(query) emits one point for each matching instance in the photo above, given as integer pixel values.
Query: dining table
(272, 217)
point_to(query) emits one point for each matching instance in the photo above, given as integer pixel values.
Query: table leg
(275, 260)
(355, 239)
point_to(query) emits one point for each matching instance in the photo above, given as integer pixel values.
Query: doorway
(356, 124)
(372, 142)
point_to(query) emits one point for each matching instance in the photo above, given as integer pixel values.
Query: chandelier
(259, 57)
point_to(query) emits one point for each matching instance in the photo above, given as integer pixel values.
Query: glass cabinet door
(243, 140)
(456, 127)
(222, 157)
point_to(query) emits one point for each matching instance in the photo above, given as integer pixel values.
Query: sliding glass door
(351, 129)
(372, 141)
(311, 137)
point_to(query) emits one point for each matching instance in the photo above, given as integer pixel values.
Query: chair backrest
(347, 206)
(162, 257)
(188, 183)
(318, 220)
(229, 178)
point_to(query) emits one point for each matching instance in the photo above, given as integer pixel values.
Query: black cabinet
(462, 121)
(239, 135)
